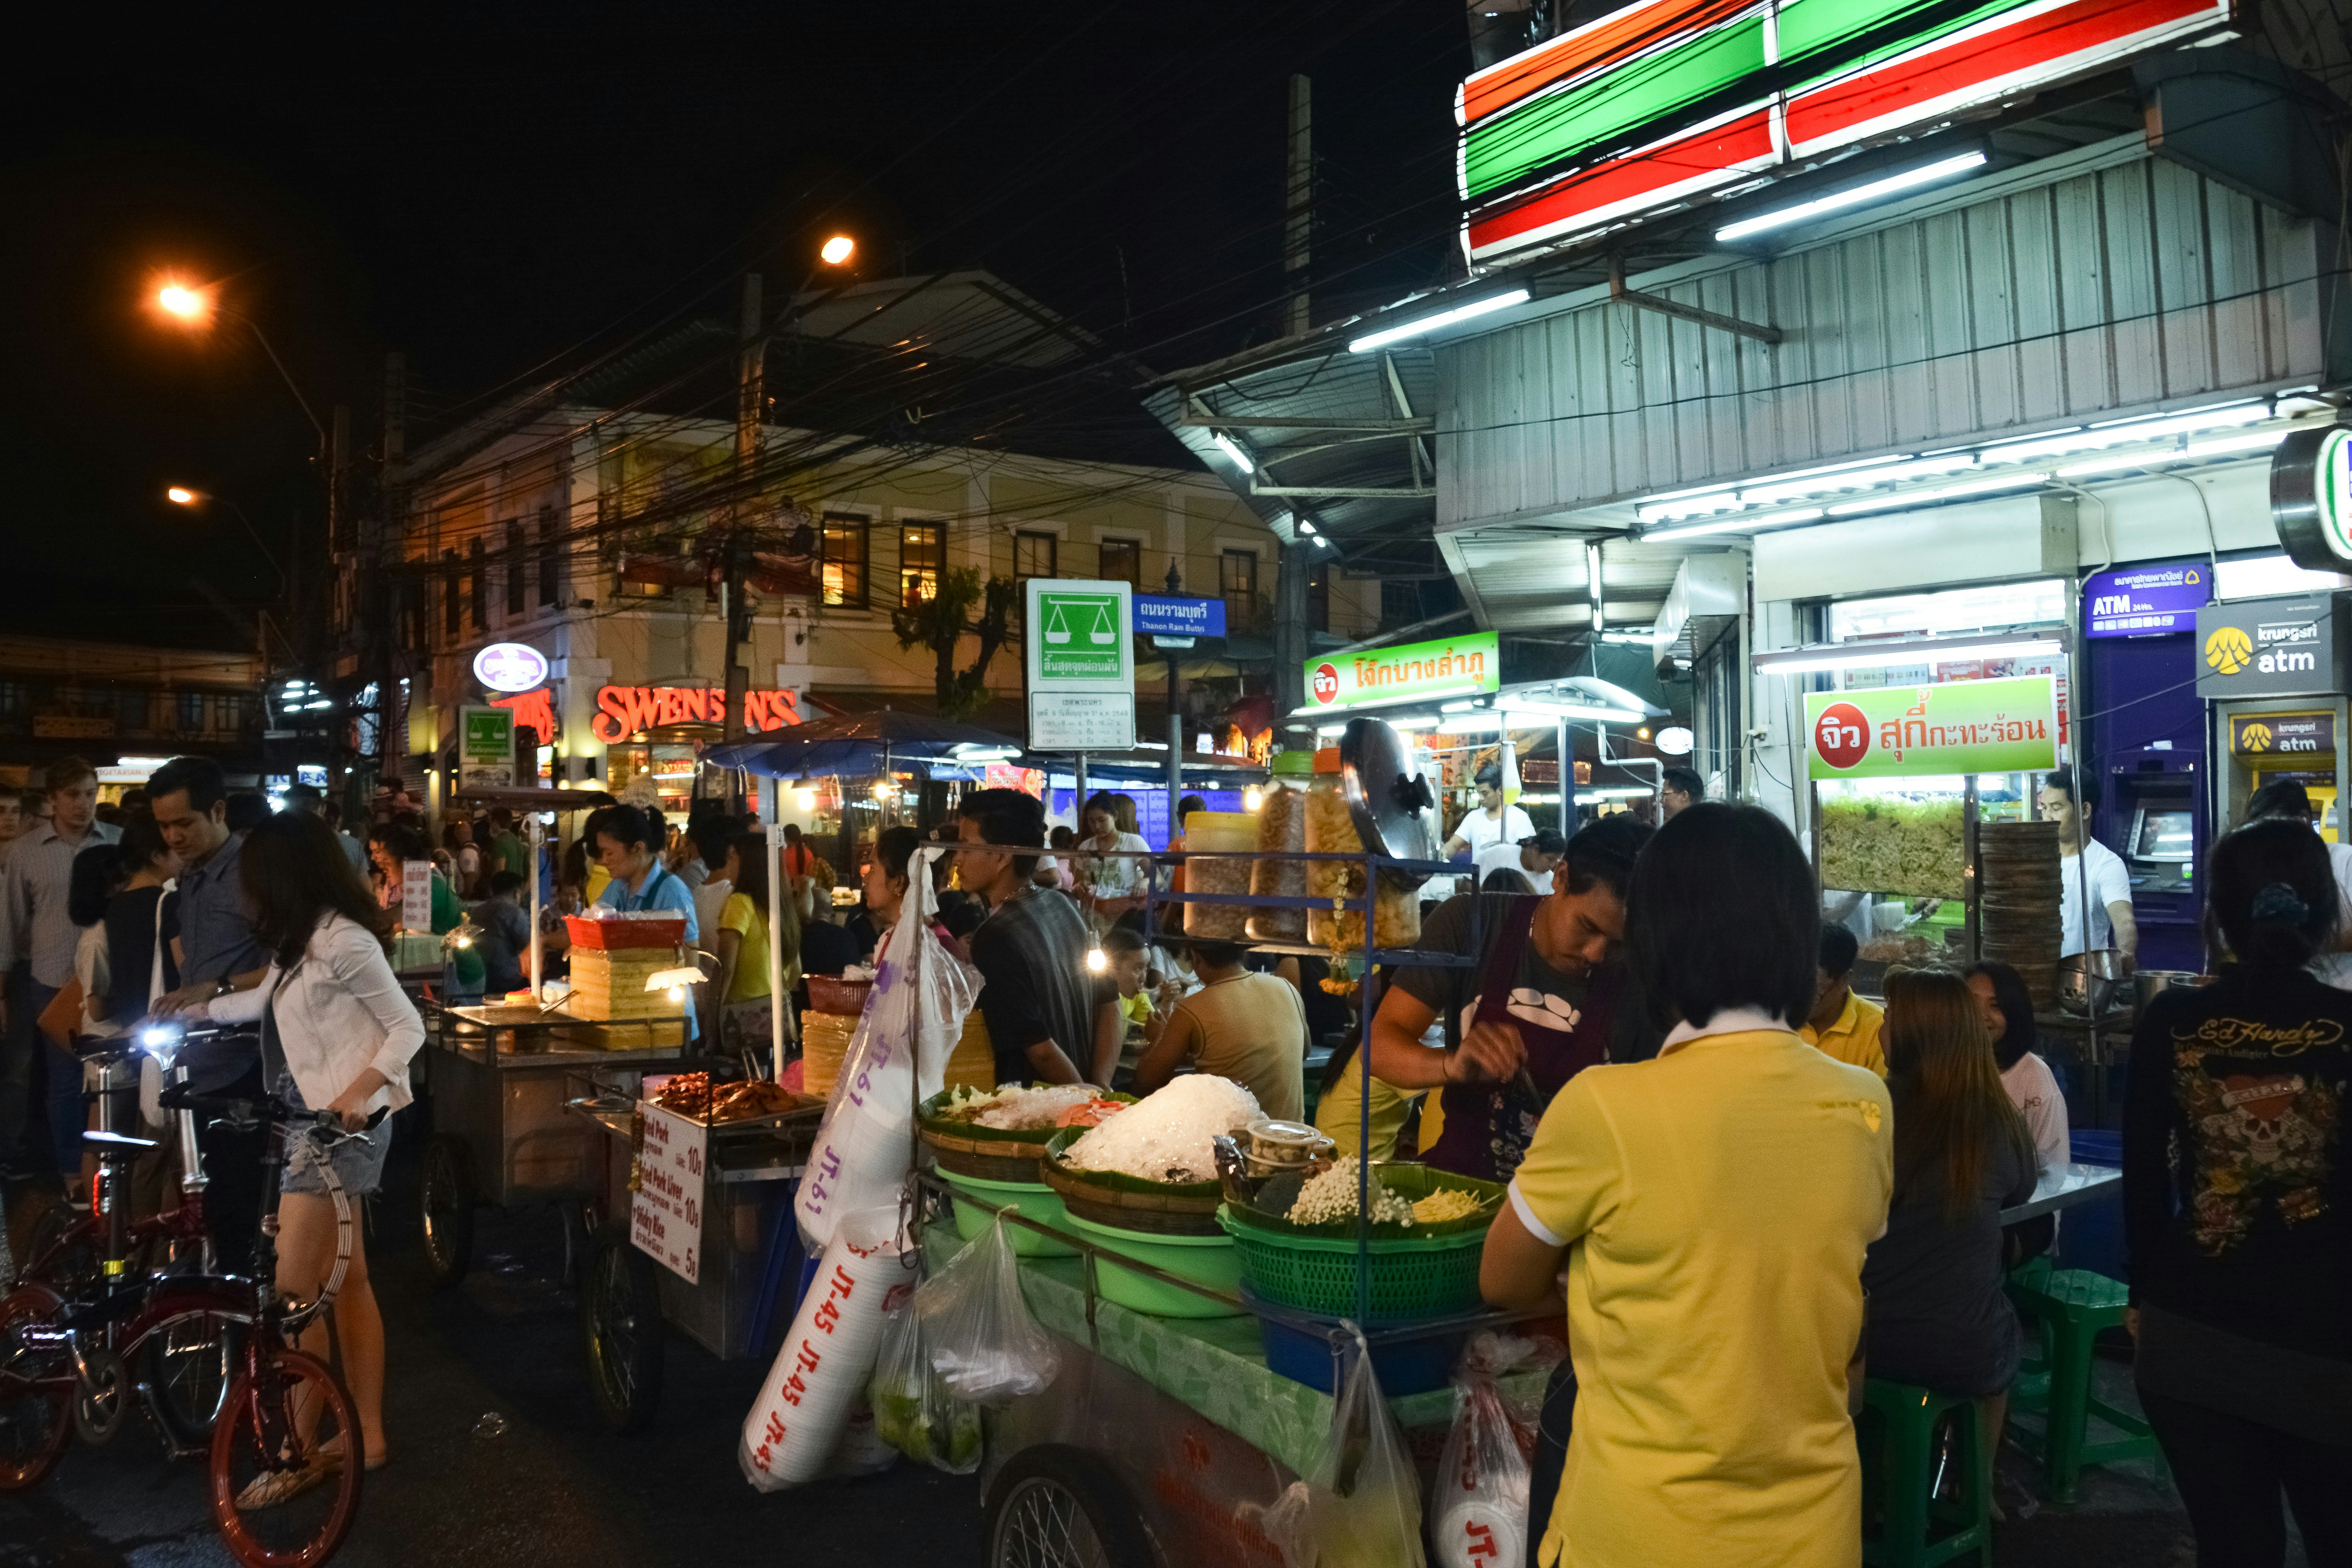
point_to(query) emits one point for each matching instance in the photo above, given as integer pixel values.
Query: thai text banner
(1959, 727)
(1449, 667)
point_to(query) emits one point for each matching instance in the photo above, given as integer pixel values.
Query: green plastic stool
(1916, 1528)
(2068, 1307)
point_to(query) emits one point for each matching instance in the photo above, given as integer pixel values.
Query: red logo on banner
(1326, 683)
(1841, 735)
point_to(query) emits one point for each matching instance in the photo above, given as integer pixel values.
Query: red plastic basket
(845, 998)
(606, 935)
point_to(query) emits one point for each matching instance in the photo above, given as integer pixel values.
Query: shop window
(517, 568)
(550, 558)
(1122, 562)
(841, 563)
(1237, 580)
(130, 711)
(478, 580)
(1035, 555)
(192, 712)
(922, 553)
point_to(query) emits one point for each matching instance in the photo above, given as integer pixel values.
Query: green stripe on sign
(1561, 126)
(1808, 25)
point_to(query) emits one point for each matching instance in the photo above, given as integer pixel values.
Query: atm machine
(2153, 808)
(2273, 674)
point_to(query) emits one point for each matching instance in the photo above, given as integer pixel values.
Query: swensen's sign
(1450, 667)
(623, 711)
(1959, 727)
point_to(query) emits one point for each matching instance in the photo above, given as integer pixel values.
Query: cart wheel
(1058, 1507)
(620, 1318)
(446, 1207)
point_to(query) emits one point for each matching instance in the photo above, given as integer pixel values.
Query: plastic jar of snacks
(1282, 826)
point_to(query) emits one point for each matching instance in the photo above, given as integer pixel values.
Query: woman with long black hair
(2238, 1213)
(338, 1033)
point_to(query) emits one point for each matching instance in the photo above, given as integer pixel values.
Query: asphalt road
(554, 1487)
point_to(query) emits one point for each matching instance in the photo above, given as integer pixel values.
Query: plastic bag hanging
(912, 1021)
(913, 1411)
(806, 1404)
(1478, 1502)
(1362, 1505)
(984, 1343)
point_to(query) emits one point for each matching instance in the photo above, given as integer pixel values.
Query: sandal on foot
(273, 1487)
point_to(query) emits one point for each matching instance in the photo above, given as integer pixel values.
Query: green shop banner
(1450, 667)
(1957, 727)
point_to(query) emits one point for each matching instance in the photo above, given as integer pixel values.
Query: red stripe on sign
(1637, 179)
(1606, 42)
(2027, 53)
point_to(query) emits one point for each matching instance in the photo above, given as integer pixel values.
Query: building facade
(125, 708)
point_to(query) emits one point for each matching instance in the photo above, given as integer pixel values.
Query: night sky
(505, 196)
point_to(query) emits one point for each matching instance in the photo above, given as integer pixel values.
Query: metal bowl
(2087, 982)
(2148, 984)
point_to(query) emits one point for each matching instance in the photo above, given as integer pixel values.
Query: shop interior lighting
(1522, 711)
(2123, 432)
(1929, 497)
(1856, 195)
(1252, 798)
(1614, 791)
(1726, 524)
(1226, 444)
(1858, 478)
(1456, 707)
(1864, 656)
(805, 799)
(1430, 324)
(1642, 637)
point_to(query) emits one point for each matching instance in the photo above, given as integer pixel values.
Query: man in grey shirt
(211, 920)
(37, 935)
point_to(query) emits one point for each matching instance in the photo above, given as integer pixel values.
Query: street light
(194, 308)
(181, 495)
(184, 303)
(837, 250)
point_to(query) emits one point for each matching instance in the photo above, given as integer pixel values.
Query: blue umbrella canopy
(860, 744)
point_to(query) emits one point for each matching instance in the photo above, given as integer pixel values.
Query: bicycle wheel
(188, 1367)
(446, 1196)
(286, 1464)
(36, 1393)
(620, 1318)
(73, 1268)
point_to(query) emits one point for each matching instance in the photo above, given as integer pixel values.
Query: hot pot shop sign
(1957, 727)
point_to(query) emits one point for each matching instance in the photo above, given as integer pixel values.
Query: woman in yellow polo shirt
(1713, 1207)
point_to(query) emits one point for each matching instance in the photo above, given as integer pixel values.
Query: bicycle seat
(118, 1140)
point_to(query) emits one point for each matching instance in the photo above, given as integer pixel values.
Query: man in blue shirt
(211, 920)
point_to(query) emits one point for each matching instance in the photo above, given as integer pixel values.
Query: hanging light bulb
(1250, 798)
(805, 799)
(1096, 959)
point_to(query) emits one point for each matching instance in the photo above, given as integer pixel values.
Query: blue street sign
(1163, 616)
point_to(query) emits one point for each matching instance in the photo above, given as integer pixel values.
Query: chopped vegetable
(1446, 1203)
(1332, 1195)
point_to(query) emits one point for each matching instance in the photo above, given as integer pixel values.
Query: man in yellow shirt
(1713, 1207)
(1842, 1024)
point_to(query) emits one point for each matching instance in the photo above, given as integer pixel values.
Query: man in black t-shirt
(1046, 1014)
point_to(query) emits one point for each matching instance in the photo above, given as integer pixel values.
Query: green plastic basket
(1412, 1278)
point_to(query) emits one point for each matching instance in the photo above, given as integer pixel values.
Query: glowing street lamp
(194, 306)
(181, 495)
(837, 250)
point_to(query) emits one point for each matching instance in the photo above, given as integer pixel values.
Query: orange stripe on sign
(2031, 51)
(1605, 42)
(1710, 157)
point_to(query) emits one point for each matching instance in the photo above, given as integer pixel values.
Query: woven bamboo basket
(1157, 1208)
(990, 1154)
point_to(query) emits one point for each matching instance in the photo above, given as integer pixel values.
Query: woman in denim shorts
(333, 1014)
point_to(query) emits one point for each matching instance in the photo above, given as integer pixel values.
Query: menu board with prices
(665, 1211)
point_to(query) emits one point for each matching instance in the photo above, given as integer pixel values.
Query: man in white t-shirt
(1492, 822)
(2109, 905)
(1532, 857)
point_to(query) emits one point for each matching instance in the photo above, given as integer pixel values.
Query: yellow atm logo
(2255, 738)
(2229, 650)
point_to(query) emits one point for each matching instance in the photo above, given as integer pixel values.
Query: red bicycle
(285, 1448)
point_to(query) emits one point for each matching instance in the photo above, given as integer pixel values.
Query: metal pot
(2087, 982)
(2148, 984)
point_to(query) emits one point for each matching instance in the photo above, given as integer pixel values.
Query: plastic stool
(1917, 1530)
(2068, 1307)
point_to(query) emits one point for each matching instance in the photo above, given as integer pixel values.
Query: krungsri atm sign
(625, 710)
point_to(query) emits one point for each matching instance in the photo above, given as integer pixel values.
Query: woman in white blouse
(330, 1004)
(1110, 871)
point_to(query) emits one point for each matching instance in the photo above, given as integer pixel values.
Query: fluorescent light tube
(1854, 195)
(1864, 656)
(1860, 479)
(1225, 445)
(1413, 329)
(1726, 524)
(1938, 493)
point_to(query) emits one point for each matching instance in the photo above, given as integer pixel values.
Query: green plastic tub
(1035, 1199)
(1208, 1260)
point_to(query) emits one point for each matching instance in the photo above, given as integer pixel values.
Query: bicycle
(285, 1451)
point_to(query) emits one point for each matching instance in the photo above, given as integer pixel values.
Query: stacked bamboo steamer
(2019, 891)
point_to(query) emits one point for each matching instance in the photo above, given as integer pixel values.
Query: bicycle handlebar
(268, 1106)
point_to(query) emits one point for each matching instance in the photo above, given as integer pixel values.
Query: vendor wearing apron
(1535, 1010)
(623, 843)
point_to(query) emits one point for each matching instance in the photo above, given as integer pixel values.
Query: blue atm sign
(1160, 616)
(2143, 601)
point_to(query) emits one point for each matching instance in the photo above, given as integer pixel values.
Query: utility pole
(1175, 716)
(383, 577)
(1299, 205)
(749, 379)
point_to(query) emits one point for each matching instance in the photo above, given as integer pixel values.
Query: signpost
(486, 758)
(1961, 727)
(1080, 651)
(1178, 622)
